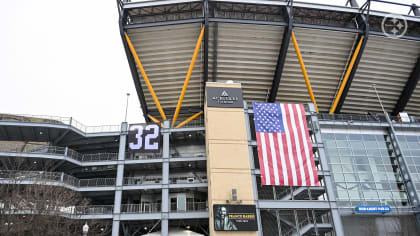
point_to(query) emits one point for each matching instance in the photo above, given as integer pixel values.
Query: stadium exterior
(368, 162)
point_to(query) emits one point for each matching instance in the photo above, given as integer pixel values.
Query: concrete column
(165, 179)
(228, 163)
(119, 180)
(338, 225)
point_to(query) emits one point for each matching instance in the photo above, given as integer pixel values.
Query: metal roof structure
(249, 41)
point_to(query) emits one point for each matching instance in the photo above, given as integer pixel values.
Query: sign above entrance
(373, 209)
(224, 97)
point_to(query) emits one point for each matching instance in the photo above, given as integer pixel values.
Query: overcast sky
(65, 58)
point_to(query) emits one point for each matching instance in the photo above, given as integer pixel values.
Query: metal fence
(54, 150)
(190, 206)
(58, 120)
(142, 208)
(41, 177)
(58, 209)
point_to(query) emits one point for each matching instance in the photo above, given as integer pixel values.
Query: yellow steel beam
(305, 74)
(189, 119)
(146, 79)
(155, 120)
(187, 79)
(346, 76)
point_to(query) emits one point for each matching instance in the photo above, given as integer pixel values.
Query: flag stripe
(280, 158)
(289, 155)
(297, 150)
(274, 154)
(263, 166)
(301, 148)
(284, 145)
(307, 159)
(269, 159)
(308, 139)
(293, 144)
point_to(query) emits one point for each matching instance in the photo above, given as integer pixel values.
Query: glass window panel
(369, 137)
(354, 194)
(413, 145)
(341, 136)
(373, 152)
(336, 168)
(347, 168)
(371, 144)
(350, 177)
(357, 144)
(343, 143)
(411, 138)
(338, 177)
(359, 152)
(355, 136)
(345, 152)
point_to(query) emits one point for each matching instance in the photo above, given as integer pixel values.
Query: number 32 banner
(144, 138)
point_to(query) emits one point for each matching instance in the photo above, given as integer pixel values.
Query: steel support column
(338, 226)
(282, 55)
(206, 48)
(409, 88)
(363, 21)
(252, 165)
(165, 179)
(119, 180)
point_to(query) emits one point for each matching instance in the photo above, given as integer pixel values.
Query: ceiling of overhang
(248, 53)
(387, 63)
(325, 54)
(413, 105)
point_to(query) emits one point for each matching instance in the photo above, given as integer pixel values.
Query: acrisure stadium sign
(224, 97)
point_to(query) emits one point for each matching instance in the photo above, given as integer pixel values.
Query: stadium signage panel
(145, 138)
(373, 209)
(235, 218)
(224, 97)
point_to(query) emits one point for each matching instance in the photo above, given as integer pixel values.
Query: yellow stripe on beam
(189, 119)
(187, 79)
(346, 76)
(146, 79)
(305, 74)
(155, 120)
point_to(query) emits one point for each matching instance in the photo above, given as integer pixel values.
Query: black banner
(144, 138)
(235, 218)
(224, 97)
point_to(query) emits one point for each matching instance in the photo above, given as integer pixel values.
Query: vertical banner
(284, 146)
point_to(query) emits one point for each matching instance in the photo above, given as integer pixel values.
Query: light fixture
(187, 227)
(145, 227)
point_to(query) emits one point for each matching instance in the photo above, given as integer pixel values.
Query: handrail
(58, 120)
(54, 150)
(58, 210)
(43, 176)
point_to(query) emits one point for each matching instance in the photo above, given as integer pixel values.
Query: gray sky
(65, 58)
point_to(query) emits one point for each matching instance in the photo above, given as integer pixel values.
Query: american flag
(284, 146)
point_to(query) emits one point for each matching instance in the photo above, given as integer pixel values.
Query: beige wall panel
(225, 155)
(226, 125)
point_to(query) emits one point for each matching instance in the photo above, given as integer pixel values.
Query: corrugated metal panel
(413, 105)
(165, 53)
(248, 54)
(387, 63)
(325, 54)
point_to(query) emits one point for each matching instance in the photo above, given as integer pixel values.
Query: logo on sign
(224, 98)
